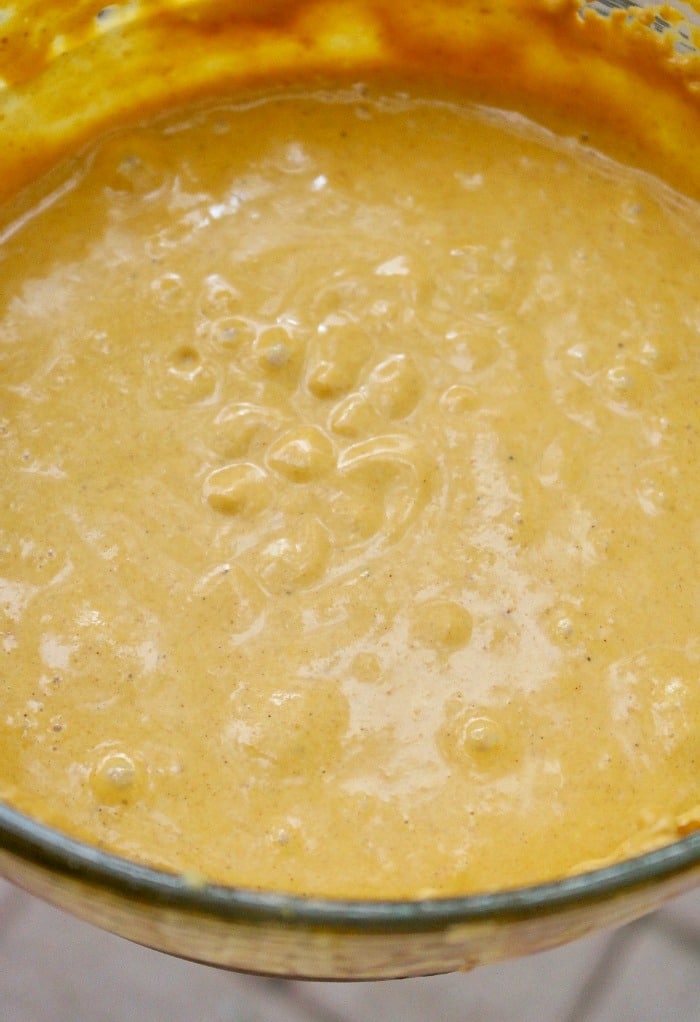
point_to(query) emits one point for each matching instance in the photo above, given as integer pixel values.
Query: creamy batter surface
(349, 535)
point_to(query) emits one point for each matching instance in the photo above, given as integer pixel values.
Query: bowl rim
(52, 850)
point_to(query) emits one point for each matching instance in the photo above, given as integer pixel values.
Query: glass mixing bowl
(69, 70)
(280, 935)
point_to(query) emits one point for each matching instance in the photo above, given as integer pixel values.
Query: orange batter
(349, 540)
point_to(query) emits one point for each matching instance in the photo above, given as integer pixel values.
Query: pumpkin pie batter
(349, 535)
